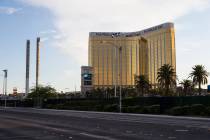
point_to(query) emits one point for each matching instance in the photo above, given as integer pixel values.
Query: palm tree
(142, 83)
(187, 85)
(199, 76)
(166, 77)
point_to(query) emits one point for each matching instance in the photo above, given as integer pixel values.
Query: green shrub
(129, 109)
(153, 109)
(111, 108)
(198, 109)
(133, 109)
(195, 110)
(208, 111)
(51, 106)
(98, 108)
(179, 110)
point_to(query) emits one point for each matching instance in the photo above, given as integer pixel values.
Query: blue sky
(64, 27)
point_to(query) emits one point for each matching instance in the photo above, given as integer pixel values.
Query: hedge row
(194, 106)
(192, 110)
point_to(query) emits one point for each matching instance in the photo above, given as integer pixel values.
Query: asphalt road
(43, 124)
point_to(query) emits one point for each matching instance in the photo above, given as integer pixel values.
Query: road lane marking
(171, 137)
(97, 136)
(182, 130)
(148, 134)
(128, 131)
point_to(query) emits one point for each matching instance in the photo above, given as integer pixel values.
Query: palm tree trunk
(142, 91)
(199, 88)
(167, 89)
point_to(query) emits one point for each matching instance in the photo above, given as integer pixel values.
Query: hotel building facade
(117, 57)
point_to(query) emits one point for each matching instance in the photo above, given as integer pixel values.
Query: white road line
(97, 136)
(171, 137)
(182, 130)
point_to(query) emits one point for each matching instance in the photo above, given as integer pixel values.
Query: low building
(86, 79)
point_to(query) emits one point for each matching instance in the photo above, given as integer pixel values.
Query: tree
(142, 83)
(187, 86)
(166, 77)
(199, 76)
(42, 92)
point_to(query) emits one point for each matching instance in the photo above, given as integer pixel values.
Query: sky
(64, 26)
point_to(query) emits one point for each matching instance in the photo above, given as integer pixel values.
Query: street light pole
(116, 56)
(116, 73)
(120, 53)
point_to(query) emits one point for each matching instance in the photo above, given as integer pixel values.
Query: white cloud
(44, 39)
(74, 19)
(9, 10)
(51, 31)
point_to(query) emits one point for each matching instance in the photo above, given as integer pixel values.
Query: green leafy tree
(166, 77)
(42, 92)
(199, 76)
(142, 84)
(187, 86)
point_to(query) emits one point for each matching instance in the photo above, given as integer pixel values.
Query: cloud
(51, 31)
(9, 10)
(74, 19)
(44, 39)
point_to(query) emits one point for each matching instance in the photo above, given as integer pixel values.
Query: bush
(194, 110)
(153, 109)
(111, 108)
(198, 109)
(133, 109)
(179, 110)
(208, 111)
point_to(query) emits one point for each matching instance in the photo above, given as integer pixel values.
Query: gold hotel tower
(116, 57)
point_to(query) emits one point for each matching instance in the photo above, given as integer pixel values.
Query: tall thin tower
(37, 61)
(27, 66)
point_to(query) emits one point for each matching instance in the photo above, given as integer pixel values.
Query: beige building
(117, 57)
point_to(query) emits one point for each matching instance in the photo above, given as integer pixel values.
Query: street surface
(44, 124)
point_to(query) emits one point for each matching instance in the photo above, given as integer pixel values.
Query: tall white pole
(116, 73)
(5, 87)
(37, 61)
(116, 69)
(27, 67)
(37, 70)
